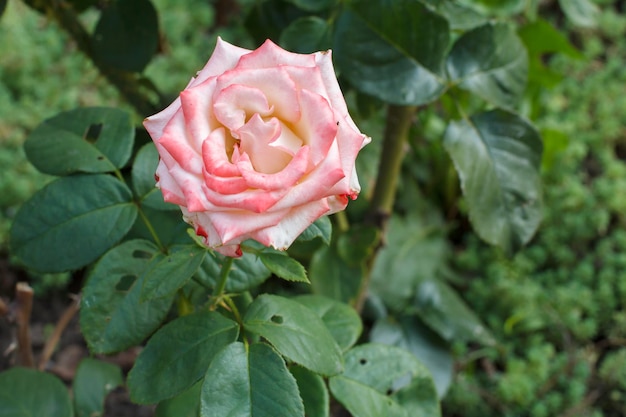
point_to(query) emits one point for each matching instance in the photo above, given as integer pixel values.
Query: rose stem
(127, 83)
(221, 284)
(399, 119)
(54, 338)
(24, 301)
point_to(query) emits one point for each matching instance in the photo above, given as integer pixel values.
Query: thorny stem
(127, 83)
(221, 283)
(399, 120)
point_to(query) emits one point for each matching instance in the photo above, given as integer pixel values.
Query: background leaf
(91, 139)
(333, 277)
(341, 320)
(111, 316)
(384, 380)
(94, 380)
(247, 272)
(127, 35)
(322, 228)
(411, 335)
(492, 62)
(312, 5)
(60, 229)
(178, 355)
(295, 331)
(307, 35)
(250, 383)
(582, 13)
(29, 393)
(392, 49)
(497, 156)
(186, 404)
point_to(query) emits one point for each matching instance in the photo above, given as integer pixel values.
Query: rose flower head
(258, 146)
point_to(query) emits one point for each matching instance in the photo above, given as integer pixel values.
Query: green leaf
(414, 251)
(313, 392)
(582, 13)
(251, 382)
(411, 335)
(357, 244)
(492, 62)
(94, 380)
(296, 332)
(460, 17)
(111, 316)
(341, 320)
(331, 276)
(393, 50)
(321, 228)
(554, 142)
(29, 393)
(385, 381)
(91, 139)
(306, 35)
(127, 35)
(283, 266)
(143, 176)
(247, 272)
(312, 5)
(446, 314)
(167, 273)
(497, 155)
(178, 355)
(71, 222)
(267, 19)
(186, 404)
(541, 37)
(3, 6)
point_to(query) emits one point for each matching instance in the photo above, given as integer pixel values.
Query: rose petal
(225, 56)
(236, 103)
(270, 55)
(215, 156)
(287, 177)
(292, 225)
(196, 106)
(232, 225)
(318, 126)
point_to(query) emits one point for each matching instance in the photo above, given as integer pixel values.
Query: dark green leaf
(127, 35)
(71, 222)
(357, 244)
(313, 392)
(29, 393)
(281, 265)
(111, 316)
(307, 35)
(267, 19)
(581, 12)
(94, 380)
(251, 382)
(296, 332)
(90, 139)
(541, 37)
(497, 156)
(447, 314)
(167, 273)
(321, 228)
(333, 277)
(393, 50)
(187, 404)
(143, 173)
(415, 250)
(492, 62)
(460, 17)
(3, 6)
(178, 355)
(385, 381)
(312, 5)
(410, 334)
(554, 142)
(247, 272)
(342, 321)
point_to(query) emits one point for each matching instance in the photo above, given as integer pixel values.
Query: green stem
(150, 228)
(221, 283)
(399, 120)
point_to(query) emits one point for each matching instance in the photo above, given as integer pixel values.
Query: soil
(71, 348)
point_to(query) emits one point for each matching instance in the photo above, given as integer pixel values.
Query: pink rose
(258, 146)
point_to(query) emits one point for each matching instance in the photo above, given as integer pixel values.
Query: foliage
(447, 89)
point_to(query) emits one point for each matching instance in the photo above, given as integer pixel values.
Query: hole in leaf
(363, 361)
(276, 319)
(389, 391)
(93, 132)
(140, 254)
(125, 282)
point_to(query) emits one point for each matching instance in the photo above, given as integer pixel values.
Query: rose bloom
(258, 146)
